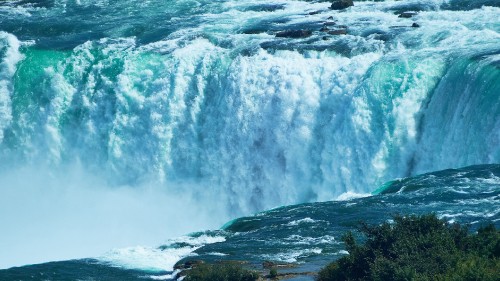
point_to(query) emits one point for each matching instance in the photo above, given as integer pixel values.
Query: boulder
(341, 4)
(330, 18)
(415, 25)
(303, 33)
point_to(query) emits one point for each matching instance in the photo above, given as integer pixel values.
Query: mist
(50, 216)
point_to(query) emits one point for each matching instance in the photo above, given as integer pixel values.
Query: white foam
(293, 256)
(300, 240)
(159, 259)
(9, 46)
(146, 258)
(351, 195)
(301, 221)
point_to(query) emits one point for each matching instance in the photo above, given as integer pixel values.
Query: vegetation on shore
(418, 248)
(408, 248)
(229, 271)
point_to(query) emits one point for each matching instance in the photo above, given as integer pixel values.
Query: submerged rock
(338, 32)
(415, 25)
(407, 15)
(341, 4)
(294, 33)
(324, 29)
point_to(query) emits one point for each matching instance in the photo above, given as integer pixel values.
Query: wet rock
(314, 12)
(325, 38)
(330, 18)
(294, 33)
(266, 8)
(341, 4)
(188, 264)
(253, 31)
(342, 26)
(407, 15)
(338, 32)
(268, 264)
(324, 29)
(415, 25)
(329, 23)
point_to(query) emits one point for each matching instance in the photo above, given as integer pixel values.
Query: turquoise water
(125, 123)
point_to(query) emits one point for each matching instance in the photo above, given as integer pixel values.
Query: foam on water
(292, 256)
(158, 259)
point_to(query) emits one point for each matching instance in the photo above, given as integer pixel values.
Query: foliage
(273, 273)
(418, 248)
(228, 271)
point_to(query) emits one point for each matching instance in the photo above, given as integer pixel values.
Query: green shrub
(273, 273)
(418, 248)
(229, 271)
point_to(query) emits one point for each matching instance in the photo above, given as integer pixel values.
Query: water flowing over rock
(341, 4)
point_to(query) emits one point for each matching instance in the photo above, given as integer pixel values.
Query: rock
(341, 4)
(268, 264)
(314, 13)
(324, 29)
(330, 18)
(342, 26)
(415, 25)
(325, 38)
(338, 32)
(329, 23)
(294, 33)
(188, 264)
(407, 15)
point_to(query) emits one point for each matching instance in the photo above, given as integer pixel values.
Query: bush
(418, 248)
(273, 273)
(229, 271)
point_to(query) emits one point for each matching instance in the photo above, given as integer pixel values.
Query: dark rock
(188, 264)
(314, 13)
(325, 38)
(407, 15)
(338, 32)
(253, 31)
(294, 33)
(341, 4)
(342, 26)
(266, 8)
(329, 23)
(324, 29)
(330, 18)
(415, 25)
